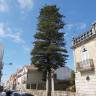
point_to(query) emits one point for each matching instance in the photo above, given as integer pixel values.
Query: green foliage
(72, 79)
(62, 85)
(49, 47)
(71, 86)
(67, 85)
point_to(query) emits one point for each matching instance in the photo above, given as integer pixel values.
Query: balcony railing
(86, 65)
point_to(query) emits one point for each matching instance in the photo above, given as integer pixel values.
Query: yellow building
(84, 51)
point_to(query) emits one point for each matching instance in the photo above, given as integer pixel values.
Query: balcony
(84, 37)
(86, 65)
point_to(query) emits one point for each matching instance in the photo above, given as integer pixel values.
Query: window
(84, 54)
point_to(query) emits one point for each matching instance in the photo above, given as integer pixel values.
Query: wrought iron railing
(86, 65)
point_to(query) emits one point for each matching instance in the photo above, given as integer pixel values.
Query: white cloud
(76, 26)
(26, 48)
(6, 32)
(25, 4)
(82, 26)
(69, 26)
(3, 6)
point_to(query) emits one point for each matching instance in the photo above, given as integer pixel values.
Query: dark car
(9, 92)
(15, 94)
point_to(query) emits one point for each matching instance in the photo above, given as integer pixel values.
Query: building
(28, 77)
(11, 83)
(1, 60)
(7, 85)
(84, 51)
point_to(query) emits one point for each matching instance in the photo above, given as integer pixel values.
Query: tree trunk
(49, 84)
(52, 82)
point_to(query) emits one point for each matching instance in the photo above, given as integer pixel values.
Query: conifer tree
(49, 50)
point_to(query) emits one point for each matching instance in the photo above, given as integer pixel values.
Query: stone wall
(86, 87)
(56, 93)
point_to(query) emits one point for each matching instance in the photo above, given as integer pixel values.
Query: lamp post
(6, 67)
(9, 64)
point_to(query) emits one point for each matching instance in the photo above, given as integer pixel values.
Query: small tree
(71, 86)
(72, 81)
(49, 50)
(72, 78)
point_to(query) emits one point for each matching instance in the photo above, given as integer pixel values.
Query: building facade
(11, 83)
(84, 48)
(1, 60)
(28, 77)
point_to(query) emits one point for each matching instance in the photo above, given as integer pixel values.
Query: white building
(84, 49)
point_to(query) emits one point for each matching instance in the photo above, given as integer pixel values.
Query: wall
(56, 93)
(21, 78)
(91, 47)
(34, 77)
(83, 86)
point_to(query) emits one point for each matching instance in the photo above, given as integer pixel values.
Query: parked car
(9, 92)
(15, 94)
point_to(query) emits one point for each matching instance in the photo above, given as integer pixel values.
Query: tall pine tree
(49, 50)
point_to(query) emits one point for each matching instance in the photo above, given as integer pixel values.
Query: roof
(31, 67)
(28, 67)
(85, 37)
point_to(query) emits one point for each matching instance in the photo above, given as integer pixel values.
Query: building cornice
(85, 37)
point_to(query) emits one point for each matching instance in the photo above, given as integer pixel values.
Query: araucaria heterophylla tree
(49, 52)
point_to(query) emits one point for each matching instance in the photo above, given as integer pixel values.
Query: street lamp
(3, 64)
(4, 74)
(8, 63)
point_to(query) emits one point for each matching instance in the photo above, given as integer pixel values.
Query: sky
(18, 24)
